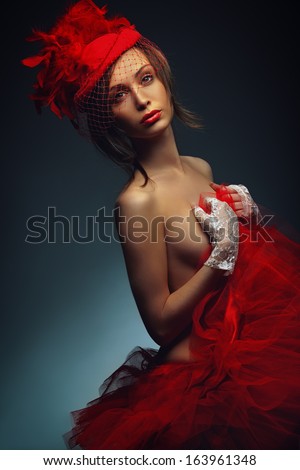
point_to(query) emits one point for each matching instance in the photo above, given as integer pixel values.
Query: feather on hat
(76, 52)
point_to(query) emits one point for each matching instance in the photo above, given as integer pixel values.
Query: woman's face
(140, 103)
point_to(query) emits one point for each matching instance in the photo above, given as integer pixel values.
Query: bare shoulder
(200, 165)
(135, 210)
(134, 200)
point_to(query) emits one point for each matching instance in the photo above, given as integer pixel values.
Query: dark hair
(114, 143)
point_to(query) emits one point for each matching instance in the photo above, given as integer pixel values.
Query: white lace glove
(249, 208)
(221, 224)
(239, 199)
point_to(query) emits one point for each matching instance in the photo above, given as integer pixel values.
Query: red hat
(76, 52)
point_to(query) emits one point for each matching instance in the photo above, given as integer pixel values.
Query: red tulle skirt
(242, 391)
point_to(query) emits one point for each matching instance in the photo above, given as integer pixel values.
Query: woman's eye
(119, 96)
(148, 77)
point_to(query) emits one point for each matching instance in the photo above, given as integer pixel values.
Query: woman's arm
(164, 314)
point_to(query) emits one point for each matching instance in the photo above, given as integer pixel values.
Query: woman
(216, 290)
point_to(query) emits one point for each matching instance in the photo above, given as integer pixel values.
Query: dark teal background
(68, 317)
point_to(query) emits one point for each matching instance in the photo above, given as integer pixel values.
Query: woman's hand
(221, 224)
(238, 198)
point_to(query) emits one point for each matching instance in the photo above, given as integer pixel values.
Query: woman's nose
(140, 99)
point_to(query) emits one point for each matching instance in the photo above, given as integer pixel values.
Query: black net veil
(94, 106)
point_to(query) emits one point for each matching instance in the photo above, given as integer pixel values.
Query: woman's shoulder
(134, 199)
(201, 165)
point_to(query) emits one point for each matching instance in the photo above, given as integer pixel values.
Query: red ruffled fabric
(242, 391)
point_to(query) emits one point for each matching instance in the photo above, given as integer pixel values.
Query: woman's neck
(159, 153)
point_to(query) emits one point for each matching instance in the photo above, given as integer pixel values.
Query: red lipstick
(151, 117)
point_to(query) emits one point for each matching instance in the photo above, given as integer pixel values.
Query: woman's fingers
(235, 197)
(215, 186)
(238, 205)
(222, 188)
(230, 195)
(239, 213)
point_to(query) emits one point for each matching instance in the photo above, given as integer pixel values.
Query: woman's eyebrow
(119, 85)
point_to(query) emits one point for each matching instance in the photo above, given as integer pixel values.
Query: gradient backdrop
(68, 317)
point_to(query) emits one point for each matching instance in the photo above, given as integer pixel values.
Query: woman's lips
(151, 117)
